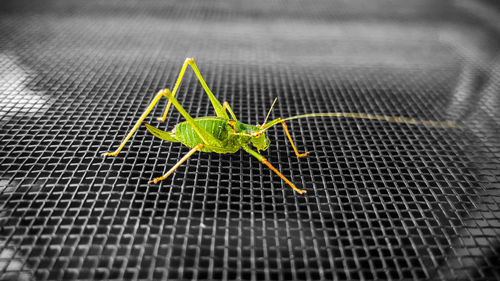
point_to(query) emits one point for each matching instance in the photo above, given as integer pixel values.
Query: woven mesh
(385, 201)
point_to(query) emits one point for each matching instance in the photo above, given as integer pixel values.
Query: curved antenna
(269, 112)
(404, 120)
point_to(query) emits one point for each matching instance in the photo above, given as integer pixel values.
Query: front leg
(291, 141)
(263, 160)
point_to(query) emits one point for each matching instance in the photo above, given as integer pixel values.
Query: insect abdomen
(216, 126)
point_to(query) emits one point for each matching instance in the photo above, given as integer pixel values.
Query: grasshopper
(225, 134)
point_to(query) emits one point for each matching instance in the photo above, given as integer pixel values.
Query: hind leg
(159, 95)
(215, 103)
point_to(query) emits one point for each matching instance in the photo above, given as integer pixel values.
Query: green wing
(161, 134)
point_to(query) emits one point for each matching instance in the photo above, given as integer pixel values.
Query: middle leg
(226, 106)
(191, 152)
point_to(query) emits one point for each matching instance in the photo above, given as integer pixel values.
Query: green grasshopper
(224, 134)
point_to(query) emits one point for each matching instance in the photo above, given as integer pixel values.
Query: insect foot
(302, 154)
(155, 180)
(106, 154)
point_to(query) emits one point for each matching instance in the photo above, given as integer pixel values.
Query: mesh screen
(385, 201)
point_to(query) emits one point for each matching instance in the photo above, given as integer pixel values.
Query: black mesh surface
(385, 201)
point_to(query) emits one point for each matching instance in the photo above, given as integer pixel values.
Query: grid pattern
(385, 201)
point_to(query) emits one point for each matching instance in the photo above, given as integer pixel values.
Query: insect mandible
(225, 134)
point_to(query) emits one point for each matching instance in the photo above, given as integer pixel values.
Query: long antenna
(404, 120)
(269, 113)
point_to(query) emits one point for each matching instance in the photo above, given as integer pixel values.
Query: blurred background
(385, 201)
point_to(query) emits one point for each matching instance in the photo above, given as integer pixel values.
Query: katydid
(225, 134)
